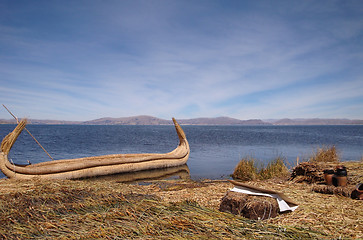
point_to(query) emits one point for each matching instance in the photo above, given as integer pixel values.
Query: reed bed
(325, 154)
(275, 168)
(105, 210)
(168, 209)
(333, 214)
(248, 170)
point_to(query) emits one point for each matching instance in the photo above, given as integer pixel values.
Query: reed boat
(178, 172)
(91, 166)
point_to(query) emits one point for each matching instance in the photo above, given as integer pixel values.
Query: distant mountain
(4, 121)
(38, 122)
(150, 120)
(136, 120)
(51, 122)
(315, 121)
(221, 121)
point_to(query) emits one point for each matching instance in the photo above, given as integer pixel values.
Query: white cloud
(174, 59)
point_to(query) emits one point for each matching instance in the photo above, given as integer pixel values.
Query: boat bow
(92, 166)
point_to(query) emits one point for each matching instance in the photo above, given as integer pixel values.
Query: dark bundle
(343, 191)
(310, 172)
(248, 206)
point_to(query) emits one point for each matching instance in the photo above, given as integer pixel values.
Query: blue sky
(82, 60)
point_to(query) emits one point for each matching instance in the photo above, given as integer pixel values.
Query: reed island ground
(167, 209)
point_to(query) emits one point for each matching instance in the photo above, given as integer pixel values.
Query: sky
(83, 60)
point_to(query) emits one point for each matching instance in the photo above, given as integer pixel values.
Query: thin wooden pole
(17, 120)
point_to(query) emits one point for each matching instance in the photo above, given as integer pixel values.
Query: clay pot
(340, 177)
(358, 192)
(340, 181)
(341, 171)
(328, 176)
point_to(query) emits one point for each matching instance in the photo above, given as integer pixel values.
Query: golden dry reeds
(275, 168)
(334, 214)
(247, 169)
(10, 139)
(104, 210)
(325, 155)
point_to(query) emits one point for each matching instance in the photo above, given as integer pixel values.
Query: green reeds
(247, 169)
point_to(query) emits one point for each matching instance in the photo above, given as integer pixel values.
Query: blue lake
(215, 150)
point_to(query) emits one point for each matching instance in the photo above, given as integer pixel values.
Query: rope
(17, 121)
(13, 164)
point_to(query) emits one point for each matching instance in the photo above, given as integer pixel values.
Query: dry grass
(355, 172)
(247, 169)
(109, 210)
(335, 215)
(276, 168)
(326, 155)
(168, 209)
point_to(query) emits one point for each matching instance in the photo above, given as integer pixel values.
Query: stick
(17, 121)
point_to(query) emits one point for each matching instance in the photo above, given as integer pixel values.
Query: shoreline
(320, 215)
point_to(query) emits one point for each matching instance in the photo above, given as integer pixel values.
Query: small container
(340, 178)
(359, 189)
(358, 192)
(341, 171)
(328, 176)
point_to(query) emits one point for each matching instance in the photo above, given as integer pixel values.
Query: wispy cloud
(185, 59)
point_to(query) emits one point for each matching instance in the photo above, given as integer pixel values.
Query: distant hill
(221, 121)
(4, 121)
(315, 121)
(51, 122)
(37, 121)
(150, 120)
(136, 120)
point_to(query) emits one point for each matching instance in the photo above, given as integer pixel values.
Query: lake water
(215, 150)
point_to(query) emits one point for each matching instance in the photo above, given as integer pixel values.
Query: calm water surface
(215, 150)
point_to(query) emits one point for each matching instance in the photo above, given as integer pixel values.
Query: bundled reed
(10, 139)
(329, 189)
(249, 206)
(91, 166)
(312, 170)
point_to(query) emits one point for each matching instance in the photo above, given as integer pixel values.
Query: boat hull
(94, 166)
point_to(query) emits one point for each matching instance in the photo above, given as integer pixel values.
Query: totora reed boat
(91, 166)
